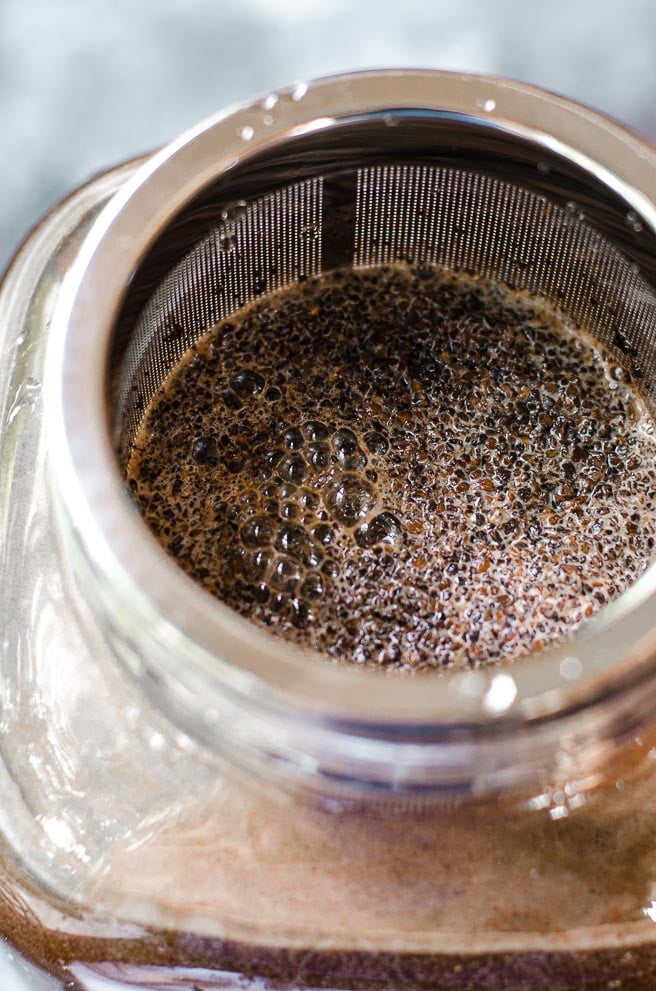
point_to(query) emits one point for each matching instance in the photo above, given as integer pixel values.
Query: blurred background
(85, 84)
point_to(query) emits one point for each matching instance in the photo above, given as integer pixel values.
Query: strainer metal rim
(204, 640)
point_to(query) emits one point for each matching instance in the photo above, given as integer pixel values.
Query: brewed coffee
(402, 468)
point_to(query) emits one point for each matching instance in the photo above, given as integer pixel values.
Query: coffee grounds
(406, 469)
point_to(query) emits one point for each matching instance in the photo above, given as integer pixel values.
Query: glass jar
(189, 803)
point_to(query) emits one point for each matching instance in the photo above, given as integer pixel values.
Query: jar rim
(188, 647)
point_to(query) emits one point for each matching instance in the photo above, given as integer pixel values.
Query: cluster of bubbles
(317, 491)
(402, 467)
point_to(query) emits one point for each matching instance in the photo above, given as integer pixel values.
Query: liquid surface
(401, 469)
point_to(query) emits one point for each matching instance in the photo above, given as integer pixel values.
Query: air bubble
(246, 133)
(382, 529)
(261, 593)
(634, 221)
(247, 383)
(300, 614)
(318, 455)
(314, 430)
(324, 534)
(285, 575)
(204, 451)
(486, 104)
(312, 587)
(299, 91)
(293, 438)
(278, 603)
(309, 500)
(344, 441)
(354, 461)
(376, 442)
(291, 539)
(349, 498)
(258, 532)
(312, 557)
(254, 566)
(271, 458)
(269, 102)
(293, 469)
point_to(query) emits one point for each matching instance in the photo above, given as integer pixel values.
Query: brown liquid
(402, 469)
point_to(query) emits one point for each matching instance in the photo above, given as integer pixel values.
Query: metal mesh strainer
(475, 174)
(463, 218)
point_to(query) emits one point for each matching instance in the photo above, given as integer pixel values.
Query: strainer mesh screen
(425, 214)
(257, 248)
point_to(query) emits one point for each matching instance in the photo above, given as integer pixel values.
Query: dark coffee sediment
(402, 468)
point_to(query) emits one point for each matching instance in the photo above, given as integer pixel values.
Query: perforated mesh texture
(425, 214)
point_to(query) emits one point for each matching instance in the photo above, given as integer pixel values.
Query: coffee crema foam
(407, 469)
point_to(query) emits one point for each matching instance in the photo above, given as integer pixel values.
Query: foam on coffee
(402, 468)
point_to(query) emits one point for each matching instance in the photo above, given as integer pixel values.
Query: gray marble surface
(85, 84)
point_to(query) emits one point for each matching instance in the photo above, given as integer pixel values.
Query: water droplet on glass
(26, 397)
(570, 668)
(634, 222)
(488, 105)
(234, 210)
(267, 120)
(500, 694)
(299, 91)
(269, 102)
(310, 233)
(246, 133)
(227, 242)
